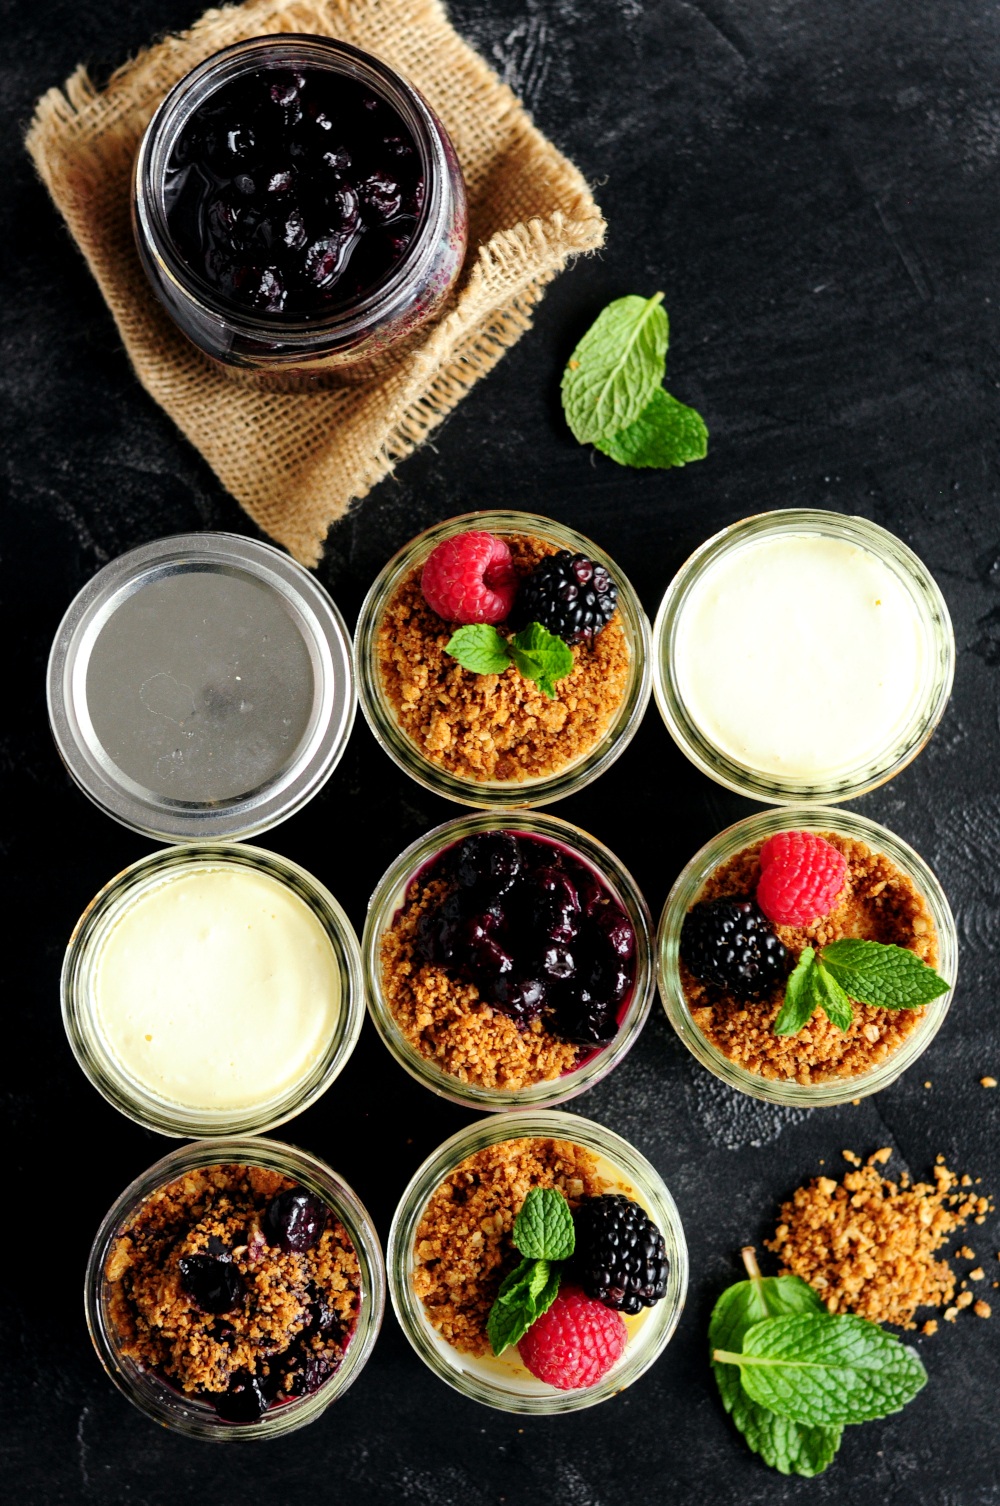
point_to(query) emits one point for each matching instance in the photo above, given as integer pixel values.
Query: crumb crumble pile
(867, 1244)
(878, 903)
(298, 1312)
(495, 727)
(463, 1244)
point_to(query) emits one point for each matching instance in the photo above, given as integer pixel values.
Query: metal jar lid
(201, 687)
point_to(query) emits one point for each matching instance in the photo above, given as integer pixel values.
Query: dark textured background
(813, 185)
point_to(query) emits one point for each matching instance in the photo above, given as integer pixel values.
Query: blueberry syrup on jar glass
(290, 192)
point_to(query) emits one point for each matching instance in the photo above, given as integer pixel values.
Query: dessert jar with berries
(235, 1289)
(508, 960)
(299, 210)
(502, 659)
(807, 956)
(537, 1262)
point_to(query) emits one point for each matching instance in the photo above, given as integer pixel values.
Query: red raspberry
(575, 1342)
(470, 578)
(801, 877)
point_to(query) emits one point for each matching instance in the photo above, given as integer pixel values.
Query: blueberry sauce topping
(536, 931)
(294, 1220)
(214, 1284)
(293, 192)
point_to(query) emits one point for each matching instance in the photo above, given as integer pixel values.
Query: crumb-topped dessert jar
(807, 956)
(298, 208)
(508, 960)
(452, 1245)
(502, 659)
(802, 655)
(212, 990)
(235, 1289)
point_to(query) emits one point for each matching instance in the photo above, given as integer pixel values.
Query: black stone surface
(814, 187)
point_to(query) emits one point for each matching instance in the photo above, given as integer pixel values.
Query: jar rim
(500, 793)
(535, 1124)
(689, 884)
(161, 1402)
(385, 902)
(94, 1054)
(877, 768)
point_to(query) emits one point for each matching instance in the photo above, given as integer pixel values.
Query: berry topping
(569, 595)
(575, 1343)
(215, 1285)
(245, 1400)
(801, 876)
(470, 578)
(727, 941)
(620, 1257)
(294, 1220)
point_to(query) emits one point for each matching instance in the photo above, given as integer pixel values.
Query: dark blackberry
(620, 1257)
(731, 943)
(569, 595)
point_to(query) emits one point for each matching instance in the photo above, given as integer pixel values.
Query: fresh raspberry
(801, 877)
(470, 578)
(575, 1342)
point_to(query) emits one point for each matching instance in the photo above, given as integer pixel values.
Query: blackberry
(569, 595)
(620, 1257)
(730, 942)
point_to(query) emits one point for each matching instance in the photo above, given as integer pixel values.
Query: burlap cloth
(296, 460)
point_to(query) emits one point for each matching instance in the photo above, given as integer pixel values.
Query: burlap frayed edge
(80, 136)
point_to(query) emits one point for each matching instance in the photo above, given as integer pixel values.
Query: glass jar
(390, 895)
(172, 1408)
(685, 893)
(621, 1163)
(936, 670)
(288, 351)
(93, 1051)
(508, 793)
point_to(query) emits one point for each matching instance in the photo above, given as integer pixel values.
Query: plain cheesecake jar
(594, 1063)
(503, 1382)
(487, 793)
(802, 655)
(687, 890)
(212, 990)
(164, 1403)
(355, 329)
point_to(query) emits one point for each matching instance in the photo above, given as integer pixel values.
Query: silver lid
(201, 686)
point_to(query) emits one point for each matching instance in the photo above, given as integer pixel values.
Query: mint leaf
(617, 366)
(800, 1001)
(517, 1303)
(479, 647)
(826, 1369)
(544, 1227)
(665, 433)
(541, 656)
(889, 977)
(831, 997)
(785, 1445)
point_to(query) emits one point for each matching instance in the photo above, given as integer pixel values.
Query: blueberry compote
(536, 931)
(293, 192)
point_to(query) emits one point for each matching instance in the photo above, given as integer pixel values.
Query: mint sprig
(536, 653)
(612, 389)
(889, 977)
(544, 1234)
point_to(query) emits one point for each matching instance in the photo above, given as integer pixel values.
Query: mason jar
(190, 1416)
(354, 336)
(688, 888)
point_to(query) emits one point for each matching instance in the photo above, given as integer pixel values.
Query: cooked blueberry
(294, 1220)
(245, 184)
(381, 195)
(245, 1400)
(558, 962)
(215, 1285)
(489, 861)
(617, 930)
(584, 1020)
(488, 956)
(339, 159)
(523, 999)
(240, 140)
(281, 182)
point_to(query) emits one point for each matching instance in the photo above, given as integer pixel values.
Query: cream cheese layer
(800, 656)
(217, 989)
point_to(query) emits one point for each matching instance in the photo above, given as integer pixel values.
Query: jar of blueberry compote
(299, 210)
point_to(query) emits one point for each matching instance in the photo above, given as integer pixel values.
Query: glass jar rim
(936, 628)
(500, 793)
(161, 1402)
(545, 1124)
(93, 1052)
(689, 885)
(191, 91)
(385, 902)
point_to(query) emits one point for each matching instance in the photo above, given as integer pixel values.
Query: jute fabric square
(296, 460)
